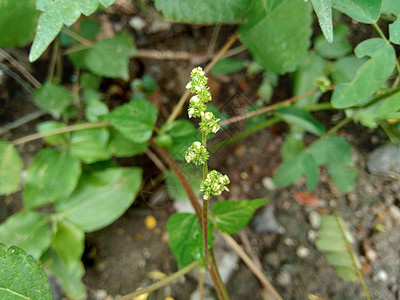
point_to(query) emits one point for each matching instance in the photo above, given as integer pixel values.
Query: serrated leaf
(390, 108)
(21, 277)
(286, 29)
(185, 238)
(90, 145)
(203, 12)
(365, 11)
(110, 57)
(52, 176)
(135, 120)
(57, 139)
(10, 168)
(301, 119)
(227, 66)
(233, 216)
(69, 242)
(369, 77)
(52, 98)
(101, 197)
(338, 48)
(120, 146)
(323, 10)
(13, 32)
(27, 230)
(69, 277)
(394, 31)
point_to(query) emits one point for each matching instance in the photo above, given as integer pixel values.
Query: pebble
(207, 295)
(381, 275)
(273, 260)
(137, 23)
(99, 294)
(315, 219)
(284, 278)
(289, 242)
(268, 183)
(384, 160)
(265, 222)
(394, 212)
(312, 235)
(302, 252)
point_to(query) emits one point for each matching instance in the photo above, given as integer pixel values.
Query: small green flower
(196, 107)
(197, 154)
(214, 184)
(198, 84)
(323, 83)
(209, 123)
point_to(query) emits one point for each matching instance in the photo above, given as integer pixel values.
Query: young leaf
(323, 10)
(394, 31)
(185, 238)
(13, 32)
(69, 276)
(369, 77)
(94, 107)
(203, 12)
(52, 98)
(21, 277)
(101, 197)
(27, 230)
(10, 168)
(135, 120)
(233, 216)
(365, 11)
(90, 145)
(58, 139)
(52, 176)
(285, 28)
(338, 48)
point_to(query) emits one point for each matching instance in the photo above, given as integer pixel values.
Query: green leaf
(338, 48)
(390, 108)
(52, 98)
(120, 146)
(89, 81)
(344, 177)
(203, 12)
(233, 216)
(369, 77)
(174, 187)
(345, 69)
(101, 197)
(365, 11)
(390, 7)
(90, 145)
(292, 146)
(89, 29)
(286, 29)
(10, 168)
(185, 238)
(324, 13)
(227, 66)
(110, 57)
(21, 277)
(301, 119)
(27, 230)
(94, 107)
(57, 139)
(394, 31)
(106, 3)
(52, 176)
(13, 32)
(69, 242)
(135, 120)
(69, 276)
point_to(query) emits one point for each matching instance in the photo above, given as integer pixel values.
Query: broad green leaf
(10, 168)
(338, 48)
(394, 31)
(312, 68)
(390, 7)
(323, 10)
(27, 230)
(390, 108)
(174, 187)
(89, 28)
(292, 146)
(279, 40)
(346, 273)
(288, 172)
(203, 12)
(311, 170)
(338, 259)
(227, 66)
(365, 11)
(13, 32)
(301, 119)
(344, 177)
(120, 146)
(184, 238)
(69, 276)
(52, 98)
(369, 77)
(367, 116)
(332, 150)
(89, 81)
(94, 107)
(106, 3)
(90, 145)
(110, 57)
(345, 69)
(58, 139)
(101, 197)
(21, 277)
(135, 120)
(233, 216)
(52, 176)
(42, 5)
(69, 242)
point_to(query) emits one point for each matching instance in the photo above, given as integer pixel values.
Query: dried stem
(169, 55)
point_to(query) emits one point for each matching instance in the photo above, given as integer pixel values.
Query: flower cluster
(214, 184)
(197, 154)
(209, 123)
(196, 107)
(198, 85)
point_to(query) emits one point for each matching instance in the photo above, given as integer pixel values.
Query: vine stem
(162, 282)
(185, 95)
(37, 136)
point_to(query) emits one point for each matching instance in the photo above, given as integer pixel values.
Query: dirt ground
(123, 256)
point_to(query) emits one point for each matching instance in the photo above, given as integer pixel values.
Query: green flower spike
(198, 85)
(197, 154)
(196, 107)
(209, 123)
(214, 184)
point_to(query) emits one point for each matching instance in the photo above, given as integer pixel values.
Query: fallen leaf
(305, 198)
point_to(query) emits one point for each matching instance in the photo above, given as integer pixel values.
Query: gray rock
(265, 222)
(384, 160)
(284, 278)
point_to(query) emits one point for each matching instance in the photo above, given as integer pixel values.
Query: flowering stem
(205, 206)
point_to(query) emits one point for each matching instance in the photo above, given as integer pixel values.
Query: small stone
(394, 212)
(312, 235)
(315, 219)
(273, 260)
(265, 222)
(268, 183)
(302, 252)
(99, 294)
(284, 278)
(384, 160)
(158, 25)
(289, 242)
(137, 23)
(381, 275)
